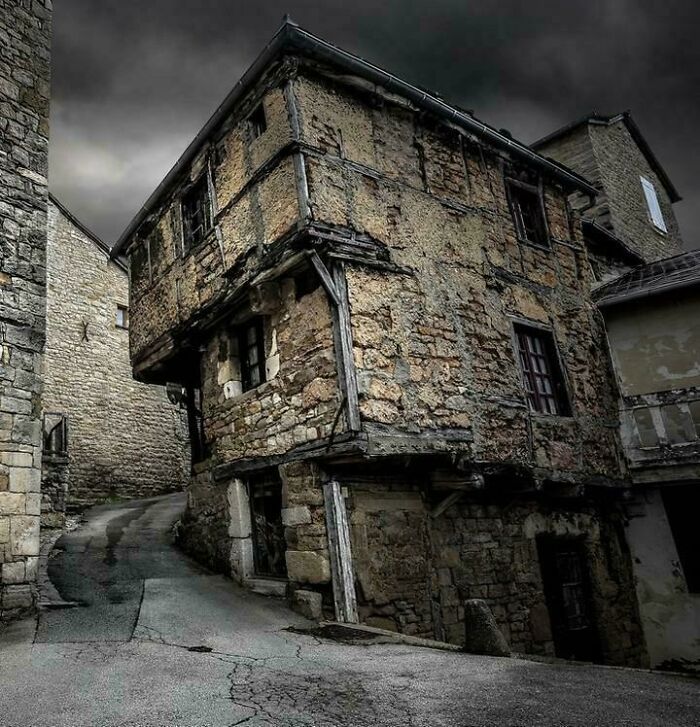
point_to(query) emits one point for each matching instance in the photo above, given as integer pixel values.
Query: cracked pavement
(160, 641)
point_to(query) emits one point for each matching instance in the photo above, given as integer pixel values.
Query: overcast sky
(134, 81)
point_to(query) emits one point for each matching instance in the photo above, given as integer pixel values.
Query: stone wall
(414, 572)
(25, 28)
(125, 439)
(608, 156)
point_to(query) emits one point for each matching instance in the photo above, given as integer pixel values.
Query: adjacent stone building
(25, 30)
(105, 434)
(652, 314)
(398, 386)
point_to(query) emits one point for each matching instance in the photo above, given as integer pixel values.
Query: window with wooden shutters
(542, 375)
(251, 352)
(196, 213)
(528, 212)
(655, 215)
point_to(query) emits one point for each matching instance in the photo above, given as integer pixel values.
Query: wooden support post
(342, 333)
(341, 556)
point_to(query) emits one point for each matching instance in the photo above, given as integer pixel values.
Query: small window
(257, 122)
(653, 207)
(195, 422)
(122, 317)
(196, 213)
(682, 503)
(542, 374)
(528, 213)
(55, 435)
(251, 352)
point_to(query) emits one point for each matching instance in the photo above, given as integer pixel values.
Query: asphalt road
(158, 641)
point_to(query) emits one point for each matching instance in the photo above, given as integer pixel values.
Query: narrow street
(157, 640)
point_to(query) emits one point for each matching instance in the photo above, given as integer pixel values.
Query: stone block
(293, 516)
(309, 604)
(307, 567)
(238, 510)
(20, 597)
(482, 635)
(33, 503)
(4, 530)
(12, 503)
(24, 535)
(13, 573)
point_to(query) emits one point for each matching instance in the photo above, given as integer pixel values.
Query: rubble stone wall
(300, 398)
(25, 30)
(433, 345)
(254, 208)
(414, 572)
(125, 438)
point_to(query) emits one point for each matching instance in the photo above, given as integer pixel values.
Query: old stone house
(105, 435)
(652, 315)
(25, 29)
(398, 386)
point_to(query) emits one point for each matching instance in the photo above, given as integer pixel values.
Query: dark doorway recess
(269, 545)
(568, 593)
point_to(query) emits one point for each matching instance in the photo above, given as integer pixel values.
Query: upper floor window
(653, 206)
(122, 317)
(257, 122)
(541, 370)
(251, 353)
(196, 213)
(527, 209)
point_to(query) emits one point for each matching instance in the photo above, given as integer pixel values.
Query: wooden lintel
(446, 503)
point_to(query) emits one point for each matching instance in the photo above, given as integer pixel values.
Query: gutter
(291, 36)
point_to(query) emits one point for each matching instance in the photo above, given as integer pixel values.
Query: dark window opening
(122, 317)
(195, 423)
(542, 374)
(528, 213)
(196, 213)
(257, 122)
(251, 353)
(269, 545)
(682, 503)
(568, 594)
(55, 435)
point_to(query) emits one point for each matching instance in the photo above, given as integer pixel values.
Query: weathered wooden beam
(342, 334)
(325, 277)
(342, 572)
(445, 504)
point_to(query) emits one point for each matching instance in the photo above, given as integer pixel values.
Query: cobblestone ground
(158, 641)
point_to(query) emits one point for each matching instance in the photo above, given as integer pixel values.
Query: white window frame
(654, 208)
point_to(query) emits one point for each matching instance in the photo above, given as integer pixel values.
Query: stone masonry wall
(414, 572)
(25, 29)
(125, 439)
(434, 344)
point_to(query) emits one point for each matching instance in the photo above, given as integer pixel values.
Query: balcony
(661, 434)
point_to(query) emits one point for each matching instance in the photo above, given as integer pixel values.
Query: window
(251, 353)
(657, 219)
(257, 122)
(196, 213)
(682, 503)
(55, 435)
(528, 212)
(195, 423)
(122, 317)
(542, 375)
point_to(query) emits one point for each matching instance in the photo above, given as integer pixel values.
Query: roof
(661, 276)
(611, 243)
(98, 241)
(291, 38)
(635, 132)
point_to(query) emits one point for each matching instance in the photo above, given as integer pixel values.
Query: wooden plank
(344, 595)
(325, 276)
(344, 349)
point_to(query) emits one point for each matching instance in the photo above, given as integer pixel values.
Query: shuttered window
(542, 375)
(657, 219)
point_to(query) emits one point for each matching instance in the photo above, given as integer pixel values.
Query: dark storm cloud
(134, 81)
